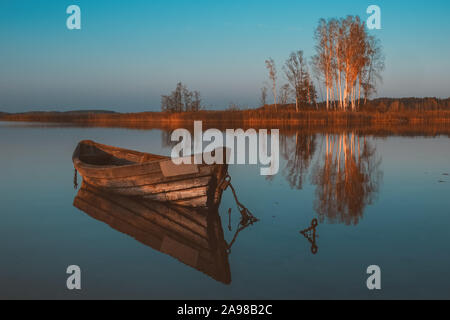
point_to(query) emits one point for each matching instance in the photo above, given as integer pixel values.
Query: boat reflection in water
(193, 236)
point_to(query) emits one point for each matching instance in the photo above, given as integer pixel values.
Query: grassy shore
(382, 116)
(267, 117)
(428, 123)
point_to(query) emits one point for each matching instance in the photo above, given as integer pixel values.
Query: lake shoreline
(426, 123)
(246, 118)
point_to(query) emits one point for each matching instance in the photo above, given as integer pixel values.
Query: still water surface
(382, 201)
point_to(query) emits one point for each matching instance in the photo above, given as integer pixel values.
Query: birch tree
(263, 99)
(196, 102)
(293, 69)
(348, 60)
(297, 74)
(270, 65)
(285, 94)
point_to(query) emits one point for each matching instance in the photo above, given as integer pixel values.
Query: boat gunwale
(80, 163)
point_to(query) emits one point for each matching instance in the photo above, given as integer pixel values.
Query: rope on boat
(75, 180)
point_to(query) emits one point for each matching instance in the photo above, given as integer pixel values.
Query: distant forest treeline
(382, 105)
(382, 111)
(407, 104)
(181, 100)
(379, 105)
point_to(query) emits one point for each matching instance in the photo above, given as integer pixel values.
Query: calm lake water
(378, 201)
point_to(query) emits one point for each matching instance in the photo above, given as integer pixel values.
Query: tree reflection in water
(347, 178)
(346, 172)
(298, 151)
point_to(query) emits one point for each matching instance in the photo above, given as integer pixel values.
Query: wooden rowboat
(153, 177)
(192, 236)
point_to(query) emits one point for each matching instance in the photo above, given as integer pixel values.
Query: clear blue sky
(128, 53)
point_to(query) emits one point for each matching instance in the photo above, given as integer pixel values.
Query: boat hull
(148, 176)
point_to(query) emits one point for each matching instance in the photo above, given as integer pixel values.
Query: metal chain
(246, 215)
(240, 228)
(247, 218)
(310, 235)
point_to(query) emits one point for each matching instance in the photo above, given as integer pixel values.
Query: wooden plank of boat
(196, 202)
(154, 177)
(155, 188)
(148, 179)
(192, 236)
(170, 169)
